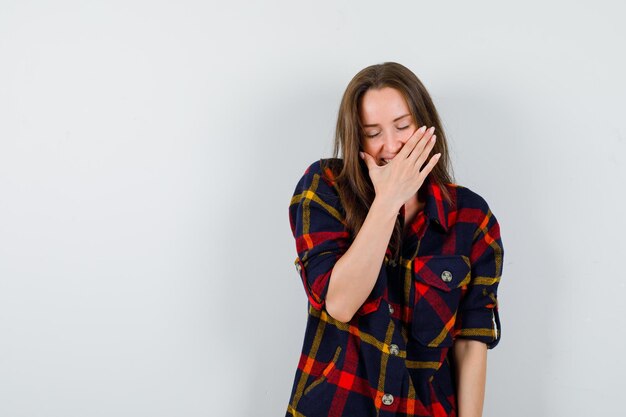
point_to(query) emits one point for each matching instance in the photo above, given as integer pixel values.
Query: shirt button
(446, 276)
(391, 310)
(394, 349)
(393, 263)
(387, 399)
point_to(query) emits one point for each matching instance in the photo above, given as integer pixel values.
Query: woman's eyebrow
(395, 120)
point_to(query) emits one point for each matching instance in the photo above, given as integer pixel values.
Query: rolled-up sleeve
(318, 225)
(478, 316)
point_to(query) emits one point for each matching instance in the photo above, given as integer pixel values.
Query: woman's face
(387, 123)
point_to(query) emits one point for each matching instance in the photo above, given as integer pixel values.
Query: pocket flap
(445, 272)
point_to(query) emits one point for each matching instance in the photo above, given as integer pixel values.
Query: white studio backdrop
(149, 150)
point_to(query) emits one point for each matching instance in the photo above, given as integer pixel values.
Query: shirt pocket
(438, 282)
(318, 388)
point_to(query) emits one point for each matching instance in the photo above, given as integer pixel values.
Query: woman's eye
(403, 127)
(372, 135)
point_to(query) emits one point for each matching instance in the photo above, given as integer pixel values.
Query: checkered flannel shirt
(393, 357)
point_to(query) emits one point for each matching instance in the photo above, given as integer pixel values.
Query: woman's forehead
(384, 105)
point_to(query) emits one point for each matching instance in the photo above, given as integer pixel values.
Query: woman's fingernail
(361, 155)
(422, 129)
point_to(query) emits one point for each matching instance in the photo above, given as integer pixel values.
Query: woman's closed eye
(374, 134)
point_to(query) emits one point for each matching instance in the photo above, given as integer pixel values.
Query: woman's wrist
(386, 206)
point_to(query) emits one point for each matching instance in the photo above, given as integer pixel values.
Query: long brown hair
(351, 177)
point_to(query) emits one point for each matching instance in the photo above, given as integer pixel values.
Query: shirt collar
(436, 208)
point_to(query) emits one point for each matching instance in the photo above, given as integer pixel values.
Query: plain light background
(149, 150)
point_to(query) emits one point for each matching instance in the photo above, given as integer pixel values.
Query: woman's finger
(425, 152)
(410, 144)
(429, 166)
(419, 147)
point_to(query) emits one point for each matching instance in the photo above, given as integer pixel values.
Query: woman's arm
(355, 273)
(470, 357)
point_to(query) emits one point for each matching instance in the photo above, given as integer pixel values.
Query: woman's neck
(411, 207)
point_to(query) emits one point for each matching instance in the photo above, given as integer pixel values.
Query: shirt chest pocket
(438, 282)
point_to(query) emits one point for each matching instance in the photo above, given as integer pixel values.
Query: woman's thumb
(367, 158)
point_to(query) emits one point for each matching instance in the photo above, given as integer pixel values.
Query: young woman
(400, 264)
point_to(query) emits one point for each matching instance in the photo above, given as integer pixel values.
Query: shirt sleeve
(478, 317)
(318, 226)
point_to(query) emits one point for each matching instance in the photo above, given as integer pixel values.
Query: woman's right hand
(397, 181)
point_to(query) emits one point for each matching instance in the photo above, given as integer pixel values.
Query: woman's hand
(397, 181)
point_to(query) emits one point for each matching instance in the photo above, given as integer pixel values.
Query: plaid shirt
(393, 357)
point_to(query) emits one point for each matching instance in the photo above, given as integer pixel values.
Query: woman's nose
(394, 142)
